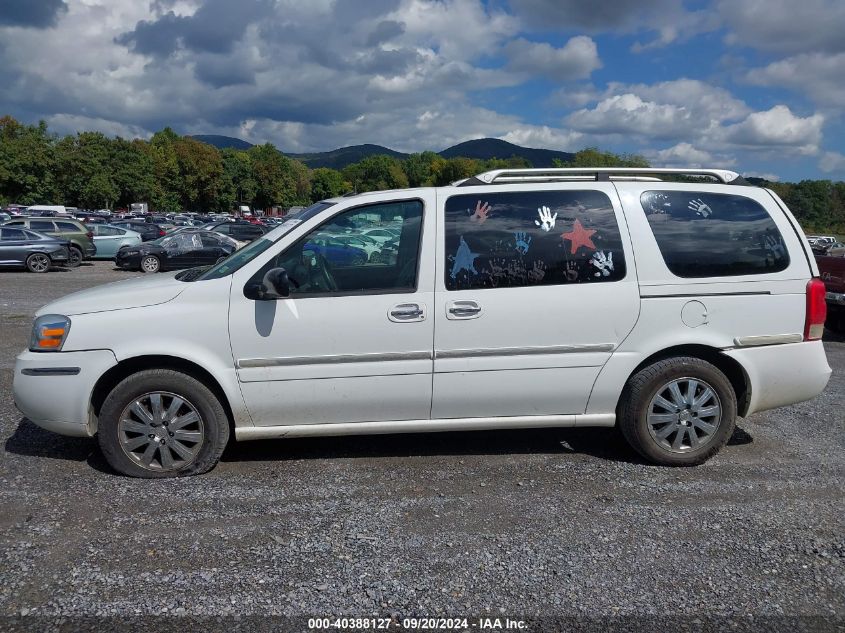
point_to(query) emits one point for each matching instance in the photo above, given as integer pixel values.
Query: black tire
(647, 384)
(835, 321)
(150, 264)
(75, 258)
(38, 263)
(213, 420)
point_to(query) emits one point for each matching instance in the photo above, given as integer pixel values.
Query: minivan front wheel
(162, 423)
(678, 412)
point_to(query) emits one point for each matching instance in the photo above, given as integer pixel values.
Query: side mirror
(274, 285)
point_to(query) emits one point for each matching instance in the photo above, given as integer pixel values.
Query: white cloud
(545, 137)
(816, 75)
(629, 114)
(832, 162)
(778, 128)
(686, 155)
(785, 25)
(575, 60)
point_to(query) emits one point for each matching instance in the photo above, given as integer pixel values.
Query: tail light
(90, 235)
(816, 310)
(161, 233)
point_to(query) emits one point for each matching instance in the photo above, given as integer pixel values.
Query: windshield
(240, 258)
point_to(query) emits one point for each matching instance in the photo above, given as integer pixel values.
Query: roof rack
(558, 174)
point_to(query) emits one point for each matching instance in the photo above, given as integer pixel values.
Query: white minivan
(664, 302)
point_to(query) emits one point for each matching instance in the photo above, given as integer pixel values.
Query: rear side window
(41, 225)
(714, 234)
(68, 227)
(12, 234)
(531, 238)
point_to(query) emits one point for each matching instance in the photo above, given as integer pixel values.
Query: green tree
(200, 173)
(327, 183)
(375, 173)
(27, 163)
(278, 179)
(593, 157)
(238, 185)
(457, 169)
(86, 170)
(133, 171)
(166, 190)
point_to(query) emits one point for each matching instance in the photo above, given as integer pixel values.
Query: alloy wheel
(161, 431)
(39, 263)
(684, 415)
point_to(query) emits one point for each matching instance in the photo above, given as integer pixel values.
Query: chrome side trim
(423, 426)
(523, 351)
(288, 361)
(768, 339)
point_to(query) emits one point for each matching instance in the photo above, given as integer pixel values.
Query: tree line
(173, 173)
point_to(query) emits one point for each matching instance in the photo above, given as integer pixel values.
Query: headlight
(49, 333)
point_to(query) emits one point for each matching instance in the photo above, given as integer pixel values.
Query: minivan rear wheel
(162, 423)
(678, 411)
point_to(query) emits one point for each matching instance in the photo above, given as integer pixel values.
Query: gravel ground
(527, 524)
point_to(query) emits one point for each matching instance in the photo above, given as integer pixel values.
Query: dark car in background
(148, 230)
(337, 252)
(36, 251)
(182, 250)
(241, 231)
(80, 237)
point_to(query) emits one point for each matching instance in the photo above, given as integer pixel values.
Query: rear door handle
(459, 310)
(407, 313)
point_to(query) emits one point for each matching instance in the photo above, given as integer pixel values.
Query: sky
(757, 86)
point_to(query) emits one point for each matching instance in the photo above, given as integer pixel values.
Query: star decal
(579, 236)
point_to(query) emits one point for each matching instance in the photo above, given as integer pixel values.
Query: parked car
(338, 252)
(36, 251)
(832, 270)
(379, 234)
(240, 231)
(836, 249)
(183, 250)
(518, 299)
(80, 236)
(147, 230)
(109, 239)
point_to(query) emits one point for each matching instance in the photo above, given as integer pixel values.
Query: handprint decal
(604, 263)
(570, 271)
(481, 211)
(774, 245)
(700, 207)
(464, 259)
(522, 241)
(547, 220)
(658, 203)
(537, 272)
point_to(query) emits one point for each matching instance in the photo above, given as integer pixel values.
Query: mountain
(482, 149)
(487, 148)
(222, 142)
(343, 156)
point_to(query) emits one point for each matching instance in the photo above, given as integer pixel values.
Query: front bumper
(122, 260)
(53, 389)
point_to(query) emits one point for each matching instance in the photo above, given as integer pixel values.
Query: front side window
(714, 234)
(331, 260)
(531, 238)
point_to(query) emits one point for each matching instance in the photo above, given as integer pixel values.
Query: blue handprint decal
(522, 241)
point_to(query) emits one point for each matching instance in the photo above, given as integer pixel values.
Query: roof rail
(557, 174)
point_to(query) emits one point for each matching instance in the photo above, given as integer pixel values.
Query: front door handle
(457, 310)
(407, 312)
